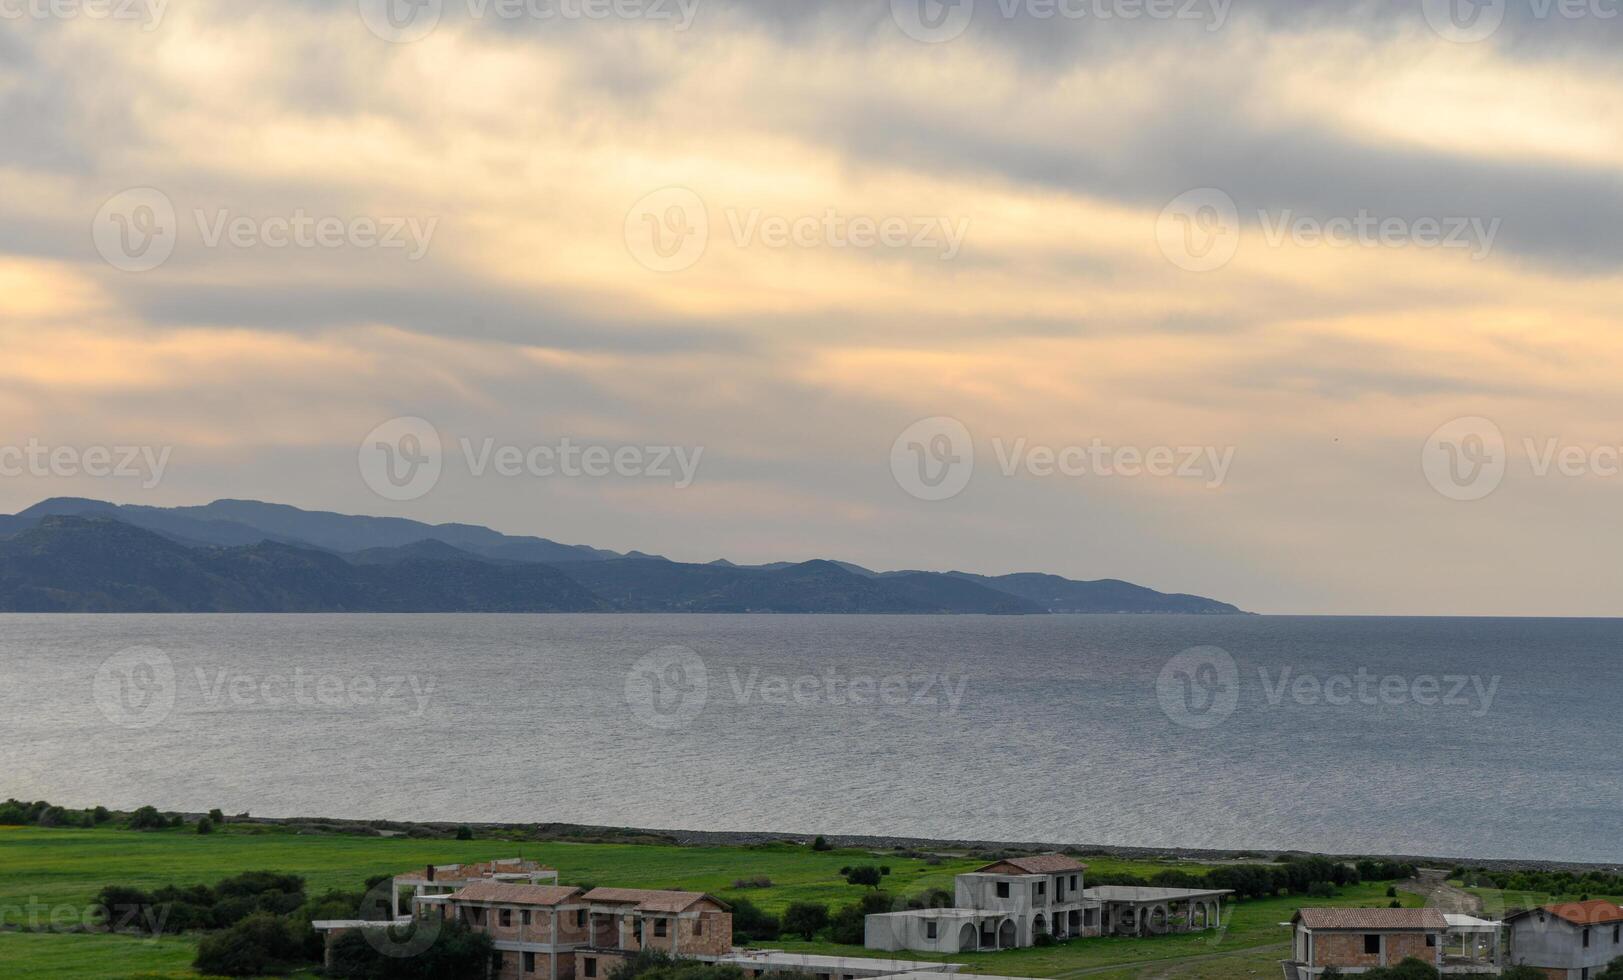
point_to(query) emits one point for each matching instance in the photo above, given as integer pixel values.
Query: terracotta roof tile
(1593, 912)
(649, 900)
(503, 893)
(1373, 920)
(1039, 864)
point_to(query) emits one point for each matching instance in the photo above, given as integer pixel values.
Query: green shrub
(822, 844)
(805, 919)
(261, 943)
(457, 953)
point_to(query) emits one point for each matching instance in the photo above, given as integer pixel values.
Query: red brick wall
(713, 938)
(1347, 949)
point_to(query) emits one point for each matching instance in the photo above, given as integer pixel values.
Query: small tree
(217, 815)
(464, 832)
(820, 843)
(205, 826)
(865, 874)
(805, 919)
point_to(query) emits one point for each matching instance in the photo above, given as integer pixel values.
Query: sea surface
(1447, 737)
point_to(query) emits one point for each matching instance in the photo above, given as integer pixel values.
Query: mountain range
(77, 555)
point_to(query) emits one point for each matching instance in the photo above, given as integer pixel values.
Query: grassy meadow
(57, 872)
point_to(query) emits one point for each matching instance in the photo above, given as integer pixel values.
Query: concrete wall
(1558, 944)
(898, 931)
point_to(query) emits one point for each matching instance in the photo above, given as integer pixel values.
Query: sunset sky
(646, 229)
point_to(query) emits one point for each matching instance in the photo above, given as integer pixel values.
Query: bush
(821, 844)
(217, 815)
(147, 818)
(1321, 889)
(758, 882)
(205, 826)
(750, 923)
(866, 874)
(884, 869)
(464, 832)
(1391, 891)
(805, 919)
(261, 943)
(849, 924)
(458, 953)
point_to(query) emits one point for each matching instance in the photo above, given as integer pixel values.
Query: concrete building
(1003, 905)
(1126, 910)
(1569, 940)
(1357, 940)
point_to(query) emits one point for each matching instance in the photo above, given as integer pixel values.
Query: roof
(649, 900)
(1136, 893)
(1590, 913)
(1373, 920)
(1459, 922)
(1037, 864)
(503, 893)
(452, 873)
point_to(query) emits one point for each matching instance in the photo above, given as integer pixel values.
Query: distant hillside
(74, 564)
(228, 522)
(70, 554)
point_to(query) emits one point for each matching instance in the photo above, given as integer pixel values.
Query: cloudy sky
(1309, 307)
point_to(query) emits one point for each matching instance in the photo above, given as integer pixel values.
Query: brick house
(536, 929)
(1568, 940)
(556, 933)
(1356, 940)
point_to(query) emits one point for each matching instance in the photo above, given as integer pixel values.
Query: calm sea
(1478, 737)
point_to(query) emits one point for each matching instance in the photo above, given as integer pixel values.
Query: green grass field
(58, 872)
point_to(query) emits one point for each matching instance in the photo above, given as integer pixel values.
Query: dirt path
(1432, 883)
